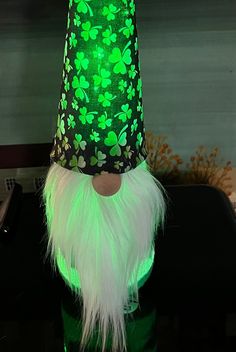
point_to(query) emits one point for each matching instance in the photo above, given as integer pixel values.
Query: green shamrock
(99, 53)
(132, 7)
(118, 164)
(60, 126)
(122, 85)
(71, 121)
(80, 85)
(86, 116)
(105, 99)
(66, 84)
(131, 92)
(62, 160)
(139, 87)
(121, 59)
(74, 104)
(84, 7)
(63, 101)
(65, 143)
(128, 30)
(68, 67)
(89, 32)
(139, 140)
(81, 61)
(78, 142)
(125, 114)
(134, 126)
(98, 158)
(128, 152)
(110, 11)
(73, 41)
(104, 121)
(94, 136)
(132, 72)
(136, 44)
(77, 163)
(77, 21)
(102, 79)
(115, 142)
(109, 36)
(139, 107)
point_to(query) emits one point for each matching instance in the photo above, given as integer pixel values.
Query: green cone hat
(100, 120)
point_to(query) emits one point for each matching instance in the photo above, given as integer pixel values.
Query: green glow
(101, 91)
(74, 281)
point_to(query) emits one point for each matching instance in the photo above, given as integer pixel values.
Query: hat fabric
(100, 120)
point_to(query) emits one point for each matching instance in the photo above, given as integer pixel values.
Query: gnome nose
(106, 184)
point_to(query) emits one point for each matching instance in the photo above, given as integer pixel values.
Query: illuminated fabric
(72, 278)
(100, 120)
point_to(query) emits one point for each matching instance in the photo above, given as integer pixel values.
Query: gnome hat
(103, 246)
(100, 120)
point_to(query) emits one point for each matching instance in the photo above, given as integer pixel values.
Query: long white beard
(105, 239)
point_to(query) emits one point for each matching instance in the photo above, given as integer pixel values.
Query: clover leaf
(104, 121)
(102, 79)
(80, 85)
(114, 141)
(71, 121)
(98, 158)
(109, 36)
(128, 30)
(125, 114)
(105, 99)
(110, 11)
(77, 163)
(83, 7)
(81, 61)
(121, 59)
(85, 116)
(94, 136)
(89, 32)
(72, 40)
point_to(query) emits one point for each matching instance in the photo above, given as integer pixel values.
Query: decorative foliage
(164, 164)
(204, 167)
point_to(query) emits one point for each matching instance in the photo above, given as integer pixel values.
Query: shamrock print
(99, 53)
(122, 85)
(83, 6)
(85, 116)
(66, 84)
(81, 62)
(134, 127)
(115, 142)
(77, 163)
(72, 40)
(106, 99)
(128, 30)
(94, 136)
(68, 67)
(74, 104)
(63, 101)
(125, 114)
(60, 126)
(98, 159)
(139, 87)
(79, 143)
(77, 21)
(128, 153)
(121, 59)
(118, 164)
(139, 140)
(131, 92)
(132, 7)
(102, 79)
(89, 32)
(132, 72)
(104, 121)
(110, 11)
(80, 85)
(71, 121)
(109, 37)
(65, 143)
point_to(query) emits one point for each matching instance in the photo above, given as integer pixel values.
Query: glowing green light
(71, 276)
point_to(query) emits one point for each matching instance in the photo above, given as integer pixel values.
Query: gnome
(103, 205)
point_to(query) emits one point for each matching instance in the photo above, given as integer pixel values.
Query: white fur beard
(105, 238)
